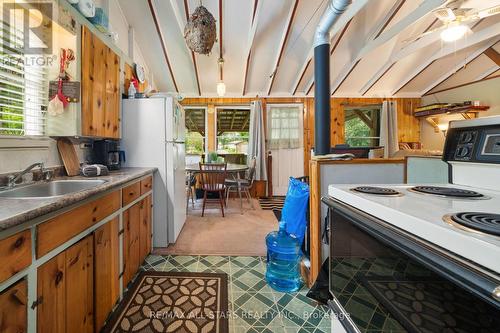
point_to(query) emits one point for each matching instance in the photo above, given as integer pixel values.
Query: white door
(285, 142)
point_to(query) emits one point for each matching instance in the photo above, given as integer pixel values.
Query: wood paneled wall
(408, 126)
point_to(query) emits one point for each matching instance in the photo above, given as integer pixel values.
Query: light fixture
(454, 32)
(221, 86)
(443, 127)
(221, 89)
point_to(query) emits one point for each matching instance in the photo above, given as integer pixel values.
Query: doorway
(285, 141)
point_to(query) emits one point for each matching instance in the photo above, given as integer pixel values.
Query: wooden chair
(212, 176)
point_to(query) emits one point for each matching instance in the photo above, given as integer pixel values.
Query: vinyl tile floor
(254, 306)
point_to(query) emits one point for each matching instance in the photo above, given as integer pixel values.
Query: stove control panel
(473, 144)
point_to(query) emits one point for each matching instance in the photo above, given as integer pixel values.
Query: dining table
(232, 169)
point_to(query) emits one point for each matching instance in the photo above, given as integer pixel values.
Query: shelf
(453, 110)
(432, 116)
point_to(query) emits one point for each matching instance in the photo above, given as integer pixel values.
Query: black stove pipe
(322, 99)
(322, 75)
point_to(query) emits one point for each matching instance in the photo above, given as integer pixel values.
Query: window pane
(362, 126)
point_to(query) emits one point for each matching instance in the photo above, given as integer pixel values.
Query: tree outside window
(362, 126)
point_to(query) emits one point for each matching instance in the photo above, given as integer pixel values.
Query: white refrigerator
(153, 134)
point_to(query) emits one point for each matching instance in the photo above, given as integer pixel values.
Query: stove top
(448, 192)
(474, 221)
(422, 216)
(376, 190)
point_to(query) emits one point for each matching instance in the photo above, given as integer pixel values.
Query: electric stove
(407, 254)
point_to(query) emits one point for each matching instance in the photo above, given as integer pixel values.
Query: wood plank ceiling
(267, 48)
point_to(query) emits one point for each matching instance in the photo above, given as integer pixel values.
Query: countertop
(15, 211)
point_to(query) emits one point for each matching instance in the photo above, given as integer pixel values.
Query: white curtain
(257, 140)
(389, 128)
(284, 127)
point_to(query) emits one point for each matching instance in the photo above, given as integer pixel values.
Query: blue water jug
(283, 261)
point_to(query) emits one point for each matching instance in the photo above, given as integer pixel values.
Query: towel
(94, 170)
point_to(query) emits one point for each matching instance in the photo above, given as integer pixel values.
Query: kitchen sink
(50, 189)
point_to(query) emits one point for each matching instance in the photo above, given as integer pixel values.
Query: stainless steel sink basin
(50, 189)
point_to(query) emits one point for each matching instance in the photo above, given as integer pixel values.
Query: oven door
(384, 280)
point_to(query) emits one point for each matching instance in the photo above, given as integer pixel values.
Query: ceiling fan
(453, 17)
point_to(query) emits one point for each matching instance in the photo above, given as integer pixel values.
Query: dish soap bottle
(131, 90)
(283, 260)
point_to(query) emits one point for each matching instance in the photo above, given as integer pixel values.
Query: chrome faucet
(46, 174)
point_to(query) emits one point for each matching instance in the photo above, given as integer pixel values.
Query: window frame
(377, 106)
(194, 107)
(228, 107)
(301, 108)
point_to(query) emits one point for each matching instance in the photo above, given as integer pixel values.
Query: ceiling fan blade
(444, 14)
(489, 12)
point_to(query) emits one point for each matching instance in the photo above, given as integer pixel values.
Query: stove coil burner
(483, 222)
(447, 192)
(376, 190)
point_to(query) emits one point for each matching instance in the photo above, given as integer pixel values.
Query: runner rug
(173, 302)
(272, 203)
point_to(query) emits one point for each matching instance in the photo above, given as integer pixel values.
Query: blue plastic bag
(295, 207)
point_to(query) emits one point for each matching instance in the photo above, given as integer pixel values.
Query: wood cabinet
(145, 229)
(130, 193)
(63, 227)
(65, 290)
(106, 270)
(13, 308)
(131, 247)
(100, 72)
(137, 237)
(15, 254)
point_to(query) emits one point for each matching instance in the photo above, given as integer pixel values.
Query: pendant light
(221, 86)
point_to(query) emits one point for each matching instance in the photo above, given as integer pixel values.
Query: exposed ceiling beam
(470, 58)
(251, 37)
(162, 42)
(487, 73)
(465, 84)
(310, 85)
(221, 25)
(425, 8)
(181, 22)
(372, 36)
(475, 38)
(347, 16)
(284, 39)
(493, 55)
(386, 68)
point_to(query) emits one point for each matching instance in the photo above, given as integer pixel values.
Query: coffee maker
(108, 153)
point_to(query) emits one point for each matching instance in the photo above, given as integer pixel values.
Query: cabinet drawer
(15, 254)
(130, 193)
(62, 228)
(146, 184)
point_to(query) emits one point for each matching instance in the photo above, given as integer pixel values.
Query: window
(23, 86)
(284, 126)
(232, 130)
(362, 126)
(195, 131)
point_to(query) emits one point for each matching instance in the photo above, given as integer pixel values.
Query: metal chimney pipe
(322, 75)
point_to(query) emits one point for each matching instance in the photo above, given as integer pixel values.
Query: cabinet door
(131, 220)
(100, 93)
(106, 270)
(111, 107)
(51, 312)
(13, 308)
(65, 290)
(145, 228)
(80, 286)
